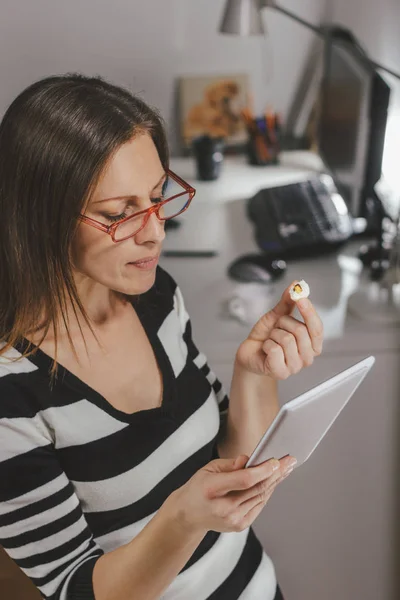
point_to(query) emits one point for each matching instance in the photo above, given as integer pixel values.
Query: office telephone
(300, 219)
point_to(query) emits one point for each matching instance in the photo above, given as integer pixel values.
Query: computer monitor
(352, 123)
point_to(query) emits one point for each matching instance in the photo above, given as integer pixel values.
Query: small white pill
(300, 289)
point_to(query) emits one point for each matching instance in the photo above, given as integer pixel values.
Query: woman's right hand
(223, 496)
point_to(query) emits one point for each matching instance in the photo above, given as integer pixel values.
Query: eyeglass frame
(111, 229)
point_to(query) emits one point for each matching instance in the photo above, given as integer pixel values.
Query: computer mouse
(257, 268)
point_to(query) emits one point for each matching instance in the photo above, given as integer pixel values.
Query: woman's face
(135, 171)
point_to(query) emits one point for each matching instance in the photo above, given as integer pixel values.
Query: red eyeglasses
(181, 195)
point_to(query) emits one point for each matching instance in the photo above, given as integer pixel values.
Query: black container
(209, 156)
(259, 152)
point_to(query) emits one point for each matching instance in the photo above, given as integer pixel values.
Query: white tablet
(301, 423)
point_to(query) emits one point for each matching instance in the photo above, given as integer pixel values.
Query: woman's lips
(146, 264)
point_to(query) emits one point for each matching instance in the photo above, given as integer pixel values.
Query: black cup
(209, 156)
(259, 152)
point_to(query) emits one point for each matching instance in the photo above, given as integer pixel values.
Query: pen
(271, 126)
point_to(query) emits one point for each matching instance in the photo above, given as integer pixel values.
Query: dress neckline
(44, 363)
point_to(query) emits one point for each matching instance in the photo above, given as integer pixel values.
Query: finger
(275, 359)
(262, 493)
(249, 518)
(266, 323)
(287, 462)
(226, 465)
(303, 340)
(288, 343)
(285, 305)
(259, 490)
(243, 479)
(313, 324)
(262, 490)
(250, 509)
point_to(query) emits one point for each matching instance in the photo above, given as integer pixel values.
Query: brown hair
(55, 140)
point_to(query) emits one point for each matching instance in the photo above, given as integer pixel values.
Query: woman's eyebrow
(162, 180)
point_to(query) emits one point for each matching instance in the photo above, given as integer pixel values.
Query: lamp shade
(242, 17)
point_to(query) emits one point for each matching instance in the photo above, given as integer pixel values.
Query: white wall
(146, 44)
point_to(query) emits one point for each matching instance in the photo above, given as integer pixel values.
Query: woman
(117, 479)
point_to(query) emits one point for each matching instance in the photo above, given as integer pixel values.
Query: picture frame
(210, 105)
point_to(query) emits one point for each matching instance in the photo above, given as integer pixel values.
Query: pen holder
(208, 153)
(263, 143)
(260, 150)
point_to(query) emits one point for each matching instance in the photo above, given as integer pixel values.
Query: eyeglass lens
(170, 209)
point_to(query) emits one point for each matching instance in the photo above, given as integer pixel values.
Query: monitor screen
(344, 120)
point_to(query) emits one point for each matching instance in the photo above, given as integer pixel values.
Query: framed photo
(210, 105)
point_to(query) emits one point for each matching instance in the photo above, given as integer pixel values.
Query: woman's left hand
(280, 345)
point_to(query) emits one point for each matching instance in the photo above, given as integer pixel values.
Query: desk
(328, 528)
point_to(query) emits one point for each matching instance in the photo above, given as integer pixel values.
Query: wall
(146, 44)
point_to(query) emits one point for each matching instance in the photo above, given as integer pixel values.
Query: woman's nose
(153, 231)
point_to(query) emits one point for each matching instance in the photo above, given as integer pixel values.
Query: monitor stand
(376, 255)
(379, 301)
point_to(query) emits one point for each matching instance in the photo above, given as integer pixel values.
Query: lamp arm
(314, 28)
(378, 66)
(322, 31)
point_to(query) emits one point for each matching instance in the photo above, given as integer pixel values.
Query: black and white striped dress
(79, 478)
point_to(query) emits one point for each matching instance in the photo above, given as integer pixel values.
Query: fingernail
(292, 462)
(275, 465)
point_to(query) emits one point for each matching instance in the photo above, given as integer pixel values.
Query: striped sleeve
(42, 527)
(198, 357)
